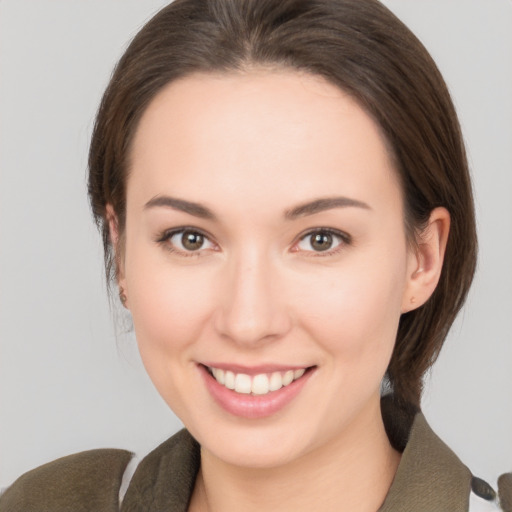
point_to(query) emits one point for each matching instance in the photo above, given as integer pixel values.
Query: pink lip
(253, 406)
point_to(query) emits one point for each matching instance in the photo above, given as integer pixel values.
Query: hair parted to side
(361, 47)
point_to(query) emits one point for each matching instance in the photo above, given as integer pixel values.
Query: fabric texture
(505, 491)
(430, 477)
(85, 482)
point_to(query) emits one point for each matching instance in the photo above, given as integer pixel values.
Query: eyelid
(166, 235)
(346, 239)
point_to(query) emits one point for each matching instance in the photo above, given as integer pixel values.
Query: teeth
(288, 378)
(219, 375)
(229, 380)
(297, 374)
(276, 381)
(260, 384)
(242, 383)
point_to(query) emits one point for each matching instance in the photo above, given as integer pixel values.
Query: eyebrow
(302, 210)
(322, 204)
(195, 209)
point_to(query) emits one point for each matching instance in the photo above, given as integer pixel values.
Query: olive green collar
(430, 477)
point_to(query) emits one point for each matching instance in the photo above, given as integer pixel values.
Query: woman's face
(265, 244)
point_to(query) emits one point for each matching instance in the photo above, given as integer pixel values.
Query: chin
(254, 447)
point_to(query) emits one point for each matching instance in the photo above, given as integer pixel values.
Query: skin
(251, 147)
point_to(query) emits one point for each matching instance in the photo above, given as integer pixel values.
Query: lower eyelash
(167, 235)
(163, 238)
(345, 240)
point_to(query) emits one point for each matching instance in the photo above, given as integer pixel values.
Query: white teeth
(297, 374)
(242, 383)
(276, 381)
(259, 384)
(288, 378)
(219, 375)
(229, 380)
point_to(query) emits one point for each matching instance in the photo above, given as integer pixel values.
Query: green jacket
(430, 477)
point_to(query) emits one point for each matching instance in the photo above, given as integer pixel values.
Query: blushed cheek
(356, 314)
(168, 310)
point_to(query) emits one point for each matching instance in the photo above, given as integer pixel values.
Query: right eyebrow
(195, 209)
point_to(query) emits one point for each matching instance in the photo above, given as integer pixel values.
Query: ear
(425, 261)
(115, 239)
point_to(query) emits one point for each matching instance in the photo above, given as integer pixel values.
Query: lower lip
(253, 406)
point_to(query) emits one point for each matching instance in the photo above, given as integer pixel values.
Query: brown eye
(188, 240)
(322, 240)
(192, 241)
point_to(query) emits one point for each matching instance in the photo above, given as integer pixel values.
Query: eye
(186, 241)
(322, 241)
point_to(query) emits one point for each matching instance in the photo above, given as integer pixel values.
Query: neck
(351, 472)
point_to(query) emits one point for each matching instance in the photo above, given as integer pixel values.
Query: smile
(259, 384)
(254, 393)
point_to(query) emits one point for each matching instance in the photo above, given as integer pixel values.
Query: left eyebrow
(322, 204)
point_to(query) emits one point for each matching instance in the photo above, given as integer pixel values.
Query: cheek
(169, 305)
(357, 312)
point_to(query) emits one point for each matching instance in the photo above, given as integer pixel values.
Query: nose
(252, 303)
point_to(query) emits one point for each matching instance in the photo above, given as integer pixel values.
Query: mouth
(254, 393)
(258, 384)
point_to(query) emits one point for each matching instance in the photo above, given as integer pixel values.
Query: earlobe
(426, 260)
(115, 240)
(113, 227)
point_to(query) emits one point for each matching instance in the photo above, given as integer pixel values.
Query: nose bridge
(252, 310)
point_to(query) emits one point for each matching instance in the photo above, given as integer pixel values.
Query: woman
(286, 209)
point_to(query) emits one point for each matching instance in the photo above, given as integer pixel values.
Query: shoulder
(165, 478)
(92, 481)
(86, 481)
(430, 476)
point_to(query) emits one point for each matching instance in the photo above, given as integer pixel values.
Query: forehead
(281, 132)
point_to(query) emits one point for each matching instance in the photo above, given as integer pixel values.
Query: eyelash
(165, 238)
(344, 240)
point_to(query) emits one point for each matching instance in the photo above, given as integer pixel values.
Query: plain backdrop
(67, 381)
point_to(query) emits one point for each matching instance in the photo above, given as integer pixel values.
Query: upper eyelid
(346, 240)
(163, 239)
(168, 233)
(337, 232)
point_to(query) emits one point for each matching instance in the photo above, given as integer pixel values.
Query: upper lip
(255, 370)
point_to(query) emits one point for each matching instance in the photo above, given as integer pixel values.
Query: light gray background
(66, 383)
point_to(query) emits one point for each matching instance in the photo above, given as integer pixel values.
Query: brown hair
(361, 47)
